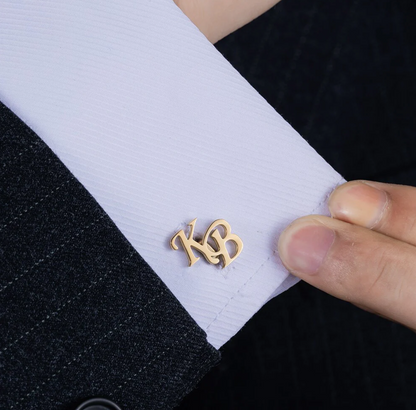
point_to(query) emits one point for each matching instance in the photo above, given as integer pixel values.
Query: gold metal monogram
(211, 254)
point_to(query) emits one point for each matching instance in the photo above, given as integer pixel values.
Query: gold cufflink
(213, 254)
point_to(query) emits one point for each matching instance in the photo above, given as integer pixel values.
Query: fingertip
(304, 244)
(359, 203)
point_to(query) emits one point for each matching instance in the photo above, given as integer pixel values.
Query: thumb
(364, 267)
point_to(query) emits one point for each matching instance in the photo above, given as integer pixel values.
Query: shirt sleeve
(161, 129)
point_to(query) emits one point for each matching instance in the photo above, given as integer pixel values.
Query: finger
(218, 18)
(386, 208)
(353, 263)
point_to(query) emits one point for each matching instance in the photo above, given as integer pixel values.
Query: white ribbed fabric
(161, 129)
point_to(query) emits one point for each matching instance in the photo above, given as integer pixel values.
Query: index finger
(386, 208)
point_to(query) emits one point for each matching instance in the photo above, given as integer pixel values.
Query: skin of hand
(365, 253)
(218, 18)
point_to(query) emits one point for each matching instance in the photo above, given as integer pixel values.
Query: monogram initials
(211, 254)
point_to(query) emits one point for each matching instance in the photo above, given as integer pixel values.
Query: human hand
(365, 254)
(218, 18)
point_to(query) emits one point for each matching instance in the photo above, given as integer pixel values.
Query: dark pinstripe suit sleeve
(82, 314)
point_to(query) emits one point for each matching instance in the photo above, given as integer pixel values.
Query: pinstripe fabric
(81, 313)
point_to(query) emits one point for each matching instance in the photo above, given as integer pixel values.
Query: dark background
(342, 72)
